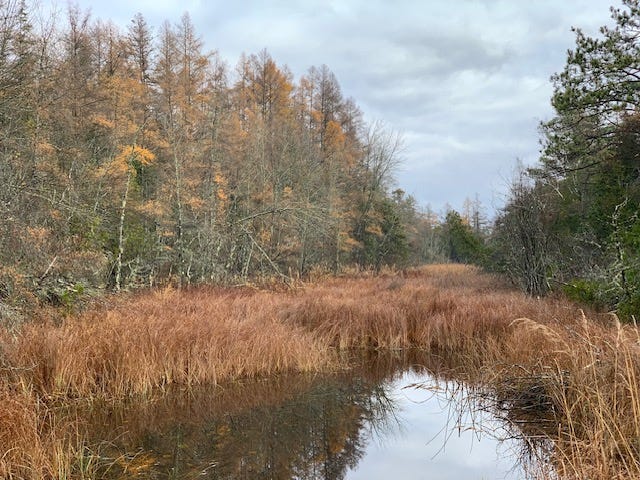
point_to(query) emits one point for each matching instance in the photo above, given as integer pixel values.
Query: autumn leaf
(134, 153)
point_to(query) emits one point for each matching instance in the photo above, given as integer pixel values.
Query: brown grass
(161, 338)
(587, 370)
(34, 442)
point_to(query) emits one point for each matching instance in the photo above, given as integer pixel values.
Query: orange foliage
(153, 207)
(195, 203)
(334, 137)
(127, 158)
(221, 195)
(101, 121)
(374, 230)
(134, 153)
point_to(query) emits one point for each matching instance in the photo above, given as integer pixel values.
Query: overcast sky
(466, 82)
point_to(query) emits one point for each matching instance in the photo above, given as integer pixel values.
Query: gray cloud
(466, 82)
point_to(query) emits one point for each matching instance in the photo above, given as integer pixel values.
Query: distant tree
(460, 241)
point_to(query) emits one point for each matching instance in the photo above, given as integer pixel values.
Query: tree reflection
(302, 427)
(292, 427)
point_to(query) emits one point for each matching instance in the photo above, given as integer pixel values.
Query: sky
(466, 83)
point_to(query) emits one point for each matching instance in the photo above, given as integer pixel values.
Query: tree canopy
(138, 157)
(587, 186)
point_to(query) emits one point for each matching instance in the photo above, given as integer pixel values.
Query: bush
(584, 291)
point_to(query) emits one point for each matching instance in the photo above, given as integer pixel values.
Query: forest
(137, 158)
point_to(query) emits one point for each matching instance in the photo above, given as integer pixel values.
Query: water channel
(387, 418)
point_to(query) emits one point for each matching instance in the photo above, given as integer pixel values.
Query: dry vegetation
(583, 369)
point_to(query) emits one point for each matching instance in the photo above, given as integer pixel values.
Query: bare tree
(523, 236)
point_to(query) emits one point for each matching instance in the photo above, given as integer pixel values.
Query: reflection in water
(356, 425)
(450, 432)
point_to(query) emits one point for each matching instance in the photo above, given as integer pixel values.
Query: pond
(390, 417)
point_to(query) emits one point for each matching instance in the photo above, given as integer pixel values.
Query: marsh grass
(162, 338)
(580, 369)
(37, 443)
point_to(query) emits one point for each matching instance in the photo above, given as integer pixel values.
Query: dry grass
(586, 370)
(588, 373)
(35, 443)
(161, 338)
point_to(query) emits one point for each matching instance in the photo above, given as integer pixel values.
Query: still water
(383, 420)
(433, 435)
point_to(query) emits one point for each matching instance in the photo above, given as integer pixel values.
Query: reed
(36, 443)
(588, 374)
(162, 338)
(583, 368)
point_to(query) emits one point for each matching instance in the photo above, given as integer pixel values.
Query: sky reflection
(437, 439)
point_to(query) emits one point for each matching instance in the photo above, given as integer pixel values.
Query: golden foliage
(334, 137)
(264, 235)
(349, 243)
(195, 203)
(221, 195)
(220, 179)
(127, 158)
(129, 154)
(154, 208)
(103, 122)
(221, 190)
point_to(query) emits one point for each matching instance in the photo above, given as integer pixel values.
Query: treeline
(136, 157)
(572, 223)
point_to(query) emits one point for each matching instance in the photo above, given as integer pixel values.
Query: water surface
(435, 434)
(389, 418)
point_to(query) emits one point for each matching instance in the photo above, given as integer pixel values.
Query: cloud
(467, 84)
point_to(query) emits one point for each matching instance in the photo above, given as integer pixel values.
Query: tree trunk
(123, 208)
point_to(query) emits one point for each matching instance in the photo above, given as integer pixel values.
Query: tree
(130, 158)
(270, 87)
(593, 95)
(140, 47)
(590, 162)
(461, 243)
(380, 157)
(522, 238)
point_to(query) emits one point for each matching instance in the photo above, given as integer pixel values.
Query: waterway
(385, 419)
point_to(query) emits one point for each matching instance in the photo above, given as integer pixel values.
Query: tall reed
(590, 374)
(161, 338)
(585, 367)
